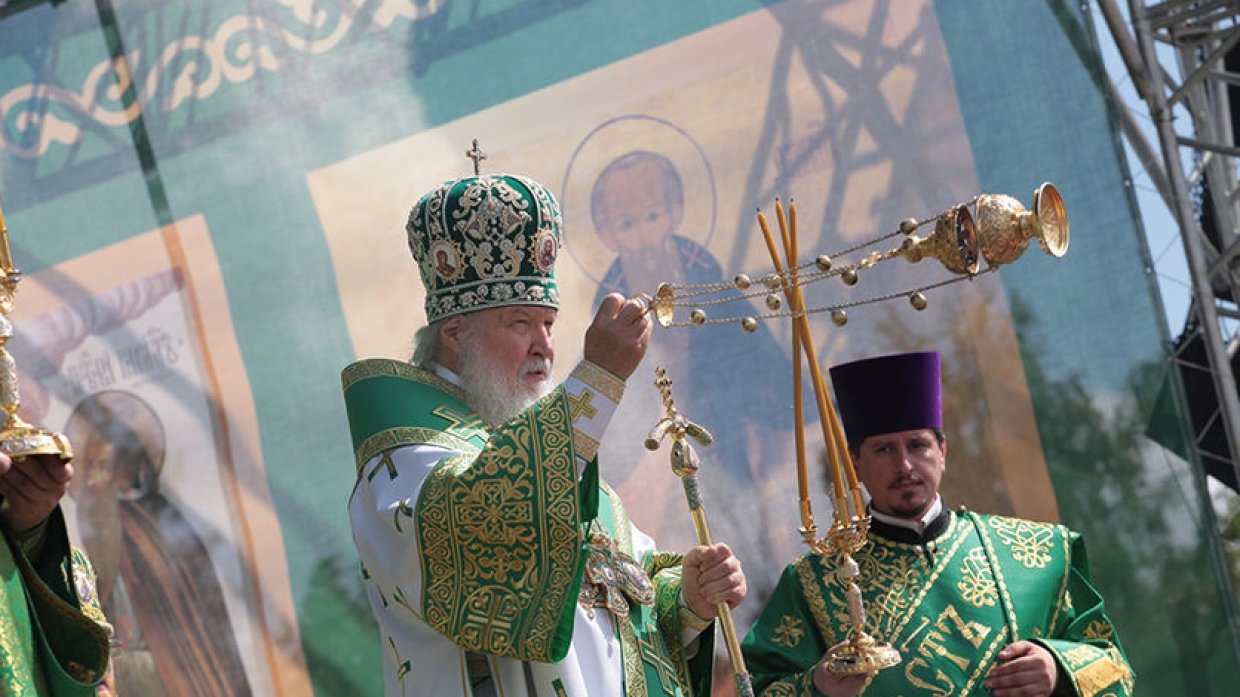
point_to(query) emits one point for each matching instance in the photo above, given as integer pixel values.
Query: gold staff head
(684, 460)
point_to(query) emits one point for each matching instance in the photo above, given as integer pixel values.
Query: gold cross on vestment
(475, 153)
(385, 461)
(457, 420)
(581, 405)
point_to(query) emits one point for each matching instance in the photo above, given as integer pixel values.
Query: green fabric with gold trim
(501, 540)
(486, 241)
(54, 640)
(948, 607)
(654, 660)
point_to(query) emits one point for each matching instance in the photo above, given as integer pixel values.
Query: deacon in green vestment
(495, 560)
(54, 640)
(976, 604)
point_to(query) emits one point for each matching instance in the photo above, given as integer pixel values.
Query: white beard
(497, 396)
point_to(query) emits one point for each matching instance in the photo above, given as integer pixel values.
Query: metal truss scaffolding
(1197, 166)
(1195, 173)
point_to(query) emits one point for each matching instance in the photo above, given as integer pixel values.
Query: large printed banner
(649, 183)
(208, 200)
(130, 352)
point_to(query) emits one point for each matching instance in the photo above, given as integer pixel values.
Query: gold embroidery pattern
(384, 367)
(1099, 630)
(655, 654)
(396, 437)
(585, 446)
(1078, 656)
(503, 536)
(665, 659)
(1094, 669)
(670, 617)
(812, 584)
(788, 632)
(620, 518)
(917, 583)
(1126, 680)
(603, 381)
(781, 689)
(978, 582)
(16, 661)
(1030, 542)
(634, 672)
(1009, 607)
(660, 561)
(890, 580)
(984, 664)
(580, 405)
(1065, 598)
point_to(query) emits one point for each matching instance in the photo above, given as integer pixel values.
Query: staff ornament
(685, 465)
(990, 227)
(18, 439)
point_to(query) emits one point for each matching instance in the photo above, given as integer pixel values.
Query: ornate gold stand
(18, 439)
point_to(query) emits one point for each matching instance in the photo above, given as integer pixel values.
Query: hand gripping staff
(685, 465)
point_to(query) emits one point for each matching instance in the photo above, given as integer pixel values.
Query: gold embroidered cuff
(690, 620)
(602, 380)
(585, 446)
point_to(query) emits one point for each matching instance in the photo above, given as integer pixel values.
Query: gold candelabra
(998, 229)
(18, 439)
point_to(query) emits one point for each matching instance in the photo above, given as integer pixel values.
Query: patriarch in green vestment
(976, 604)
(495, 560)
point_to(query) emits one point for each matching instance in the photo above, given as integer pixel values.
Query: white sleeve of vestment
(385, 538)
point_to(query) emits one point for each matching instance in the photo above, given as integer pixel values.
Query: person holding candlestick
(54, 638)
(495, 559)
(976, 604)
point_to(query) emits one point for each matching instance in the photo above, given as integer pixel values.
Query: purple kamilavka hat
(888, 394)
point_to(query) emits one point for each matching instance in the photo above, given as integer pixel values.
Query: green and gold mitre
(486, 241)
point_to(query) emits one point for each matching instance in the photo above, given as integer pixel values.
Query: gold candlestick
(863, 654)
(18, 439)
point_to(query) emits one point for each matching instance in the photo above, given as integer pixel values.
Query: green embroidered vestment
(54, 640)
(503, 527)
(948, 607)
